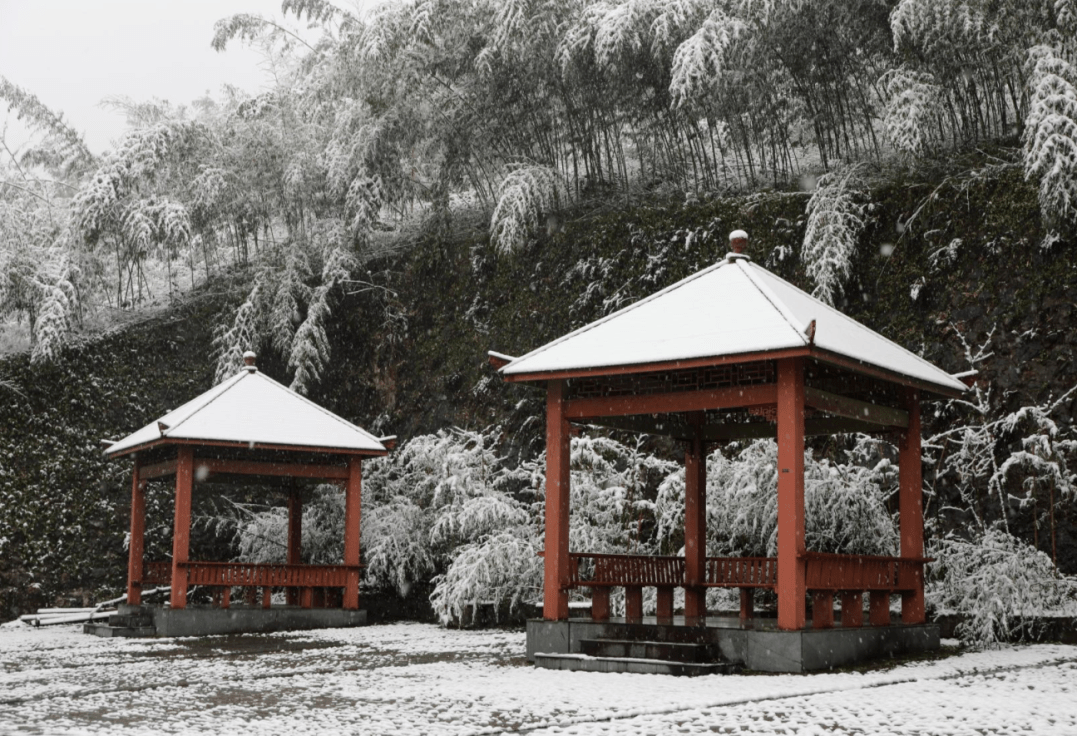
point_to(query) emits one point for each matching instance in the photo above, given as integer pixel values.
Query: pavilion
(733, 352)
(248, 429)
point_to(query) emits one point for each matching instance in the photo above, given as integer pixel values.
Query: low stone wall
(199, 621)
(763, 650)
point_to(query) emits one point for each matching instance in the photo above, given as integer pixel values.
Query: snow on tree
(997, 583)
(59, 302)
(701, 61)
(836, 215)
(845, 503)
(526, 194)
(1050, 137)
(912, 110)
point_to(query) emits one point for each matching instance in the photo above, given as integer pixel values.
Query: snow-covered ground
(414, 678)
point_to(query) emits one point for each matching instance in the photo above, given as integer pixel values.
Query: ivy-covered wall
(957, 251)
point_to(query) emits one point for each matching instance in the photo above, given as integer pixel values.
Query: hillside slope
(963, 256)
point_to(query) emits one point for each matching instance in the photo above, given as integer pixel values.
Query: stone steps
(586, 663)
(670, 651)
(640, 656)
(130, 621)
(107, 630)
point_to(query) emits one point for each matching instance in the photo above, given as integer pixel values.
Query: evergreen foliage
(837, 216)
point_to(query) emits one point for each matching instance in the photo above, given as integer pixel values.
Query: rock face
(411, 358)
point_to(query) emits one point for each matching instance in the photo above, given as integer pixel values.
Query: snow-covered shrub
(912, 110)
(261, 534)
(525, 195)
(836, 216)
(502, 568)
(996, 583)
(59, 300)
(1050, 137)
(845, 502)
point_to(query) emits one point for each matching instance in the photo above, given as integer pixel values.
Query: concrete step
(642, 649)
(585, 663)
(131, 621)
(107, 630)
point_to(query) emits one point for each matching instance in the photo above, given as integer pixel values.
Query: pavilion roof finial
(738, 240)
(249, 359)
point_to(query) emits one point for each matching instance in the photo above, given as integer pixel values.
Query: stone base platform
(206, 621)
(762, 648)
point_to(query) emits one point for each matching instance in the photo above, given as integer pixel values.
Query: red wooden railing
(156, 573)
(742, 572)
(249, 574)
(863, 572)
(613, 570)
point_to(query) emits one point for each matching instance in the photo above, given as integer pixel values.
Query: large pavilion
(735, 352)
(248, 429)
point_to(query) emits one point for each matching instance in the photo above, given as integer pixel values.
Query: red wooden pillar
(747, 606)
(791, 580)
(137, 544)
(633, 604)
(664, 605)
(352, 518)
(852, 609)
(822, 609)
(295, 538)
(181, 529)
(600, 604)
(695, 526)
(911, 509)
(555, 562)
(879, 608)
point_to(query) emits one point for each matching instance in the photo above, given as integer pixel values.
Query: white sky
(73, 54)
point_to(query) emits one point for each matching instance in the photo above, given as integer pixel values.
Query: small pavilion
(734, 352)
(249, 429)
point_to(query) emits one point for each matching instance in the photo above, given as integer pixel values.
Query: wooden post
(791, 580)
(822, 609)
(633, 604)
(747, 606)
(137, 544)
(664, 607)
(695, 525)
(879, 608)
(852, 609)
(600, 604)
(352, 519)
(556, 562)
(267, 596)
(181, 528)
(911, 509)
(295, 538)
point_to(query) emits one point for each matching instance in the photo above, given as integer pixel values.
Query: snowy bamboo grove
(427, 110)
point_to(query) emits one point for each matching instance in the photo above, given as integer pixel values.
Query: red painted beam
(669, 365)
(352, 519)
(556, 561)
(911, 508)
(695, 525)
(683, 401)
(288, 470)
(136, 546)
(791, 568)
(251, 446)
(181, 530)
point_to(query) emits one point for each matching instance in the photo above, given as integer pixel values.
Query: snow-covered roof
(251, 408)
(733, 307)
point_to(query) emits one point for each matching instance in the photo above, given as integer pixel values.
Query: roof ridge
(619, 312)
(224, 388)
(771, 297)
(881, 336)
(320, 408)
